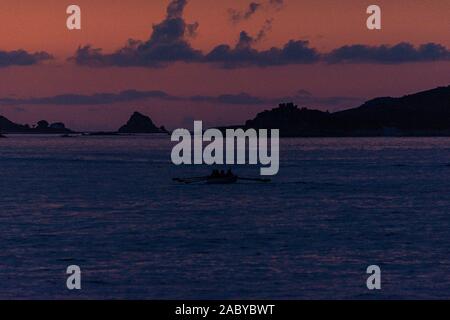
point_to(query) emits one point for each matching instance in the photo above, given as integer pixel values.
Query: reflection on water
(109, 205)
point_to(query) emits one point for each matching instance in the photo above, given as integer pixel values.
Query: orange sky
(38, 25)
(327, 24)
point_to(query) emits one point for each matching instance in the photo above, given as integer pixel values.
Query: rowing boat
(222, 180)
(218, 179)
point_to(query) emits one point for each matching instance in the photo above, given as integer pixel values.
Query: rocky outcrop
(139, 123)
(7, 126)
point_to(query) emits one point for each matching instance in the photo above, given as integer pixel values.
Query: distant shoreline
(423, 114)
(118, 135)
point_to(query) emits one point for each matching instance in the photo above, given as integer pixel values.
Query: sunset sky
(190, 64)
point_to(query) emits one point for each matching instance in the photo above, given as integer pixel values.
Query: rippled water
(108, 204)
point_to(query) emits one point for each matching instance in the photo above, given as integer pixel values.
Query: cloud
(301, 97)
(237, 16)
(244, 55)
(168, 43)
(277, 4)
(299, 52)
(303, 93)
(400, 53)
(22, 58)
(233, 99)
(306, 98)
(95, 99)
(266, 28)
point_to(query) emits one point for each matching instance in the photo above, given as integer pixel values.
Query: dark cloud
(303, 92)
(175, 9)
(277, 4)
(399, 53)
(294, 52)
(168, 43)
(130, 96)
(237, 16)
(235, 99)
(244, 55)
(306, 98)
(266, 28)
(301, 97)
(299, 52)
(22, 58)
(95, 99)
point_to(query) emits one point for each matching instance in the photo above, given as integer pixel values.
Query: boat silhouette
(218, 178)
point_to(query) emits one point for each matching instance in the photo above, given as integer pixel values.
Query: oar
(254, 179)
(193, 178)
(189, 180)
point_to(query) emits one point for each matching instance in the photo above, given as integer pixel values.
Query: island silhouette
(425, 113)
(139, 123)
(42, 127)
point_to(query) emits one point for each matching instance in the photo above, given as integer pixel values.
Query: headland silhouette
(426, 113)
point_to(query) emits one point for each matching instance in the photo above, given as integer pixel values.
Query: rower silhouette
(221, 174)
(215, 174)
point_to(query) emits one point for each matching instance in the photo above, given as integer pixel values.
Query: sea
(109, 205)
